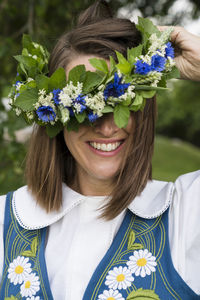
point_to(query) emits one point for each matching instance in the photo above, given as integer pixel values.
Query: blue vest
(138, 264)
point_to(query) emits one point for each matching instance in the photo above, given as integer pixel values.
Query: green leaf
(72, 125)
(127, 102)
(131, 239)
(34, 245)
(112, 64)
(147, 94)
(138, 100)
(28, 253)
(99, 64)
(107, 109)
(27, 41)
(81, 117)
(136, 246)
(141, 294)
(57, 79)
(175, 73)
(27, 61)
(124, 66)
(33, 251)
(134, 53)
(138, 103)
(10, 298)
(147, 26)
(53, 130)
(27, 99)
(76, 73)
(91, 80)
(149, 88)
(121, 115)
(42, 82)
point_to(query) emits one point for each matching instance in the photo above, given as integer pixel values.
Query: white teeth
(105, 147)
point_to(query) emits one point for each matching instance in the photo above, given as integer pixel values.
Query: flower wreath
(85, 96)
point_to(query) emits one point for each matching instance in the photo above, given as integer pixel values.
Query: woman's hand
(187, 52)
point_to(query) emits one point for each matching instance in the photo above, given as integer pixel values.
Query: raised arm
(187, 52)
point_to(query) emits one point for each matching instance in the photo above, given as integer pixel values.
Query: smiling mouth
(108, 147)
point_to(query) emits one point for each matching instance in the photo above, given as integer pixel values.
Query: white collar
(153, 201)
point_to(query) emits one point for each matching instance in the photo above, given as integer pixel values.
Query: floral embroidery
(119, 278)
(19, 269)
(111, 295)
(30, 286)
(33, 298)
(142, 263)
(20, 272)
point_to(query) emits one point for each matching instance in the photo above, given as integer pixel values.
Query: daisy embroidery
(110, 295)
(19, 269)
(33, 298)
(119, 278)
(30, 286)
(142, 263)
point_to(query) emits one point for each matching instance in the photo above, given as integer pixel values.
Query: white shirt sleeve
(2, 210)
(184, 228)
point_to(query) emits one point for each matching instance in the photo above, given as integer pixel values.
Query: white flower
(19, 269)
(30, 79)
(119, 278)
(33, 298)
(146, 58)
(110, 295)
(29, 115)
(30, 286)
(45, 99)
(129, 93)
(64, 114)
(96, 103)
(70, 92)
(142, 263)
(64, 98)
(77, 107)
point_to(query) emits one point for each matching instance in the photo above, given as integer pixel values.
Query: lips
(106, 147)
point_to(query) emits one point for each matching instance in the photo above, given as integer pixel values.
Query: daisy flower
(110, 295)
(142, 263)
(19, 269)
(30, 286)
(119, 278)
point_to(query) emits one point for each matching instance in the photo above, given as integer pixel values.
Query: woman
(58, 243)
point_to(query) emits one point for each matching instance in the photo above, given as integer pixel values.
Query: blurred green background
(178, 126)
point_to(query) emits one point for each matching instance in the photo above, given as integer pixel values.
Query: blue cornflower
(71, 112)
(158, 63)
(80, 100)
(169, 50)
(142, 67)
(56, 93)
(46, 113)
(92, 117)
(18, 84)
(115, 89)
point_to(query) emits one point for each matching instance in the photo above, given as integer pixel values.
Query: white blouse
(78, 239)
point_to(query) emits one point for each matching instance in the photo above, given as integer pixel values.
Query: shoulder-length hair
(49, 162)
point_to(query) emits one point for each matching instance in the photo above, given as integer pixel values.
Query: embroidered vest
(137, 266)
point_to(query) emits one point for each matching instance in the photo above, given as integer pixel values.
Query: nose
(106, 125)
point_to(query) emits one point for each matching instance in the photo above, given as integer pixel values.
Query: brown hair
(49, 162)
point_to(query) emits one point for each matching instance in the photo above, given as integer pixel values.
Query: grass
(173, 157)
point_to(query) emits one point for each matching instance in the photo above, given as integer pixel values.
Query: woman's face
(98, 150)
